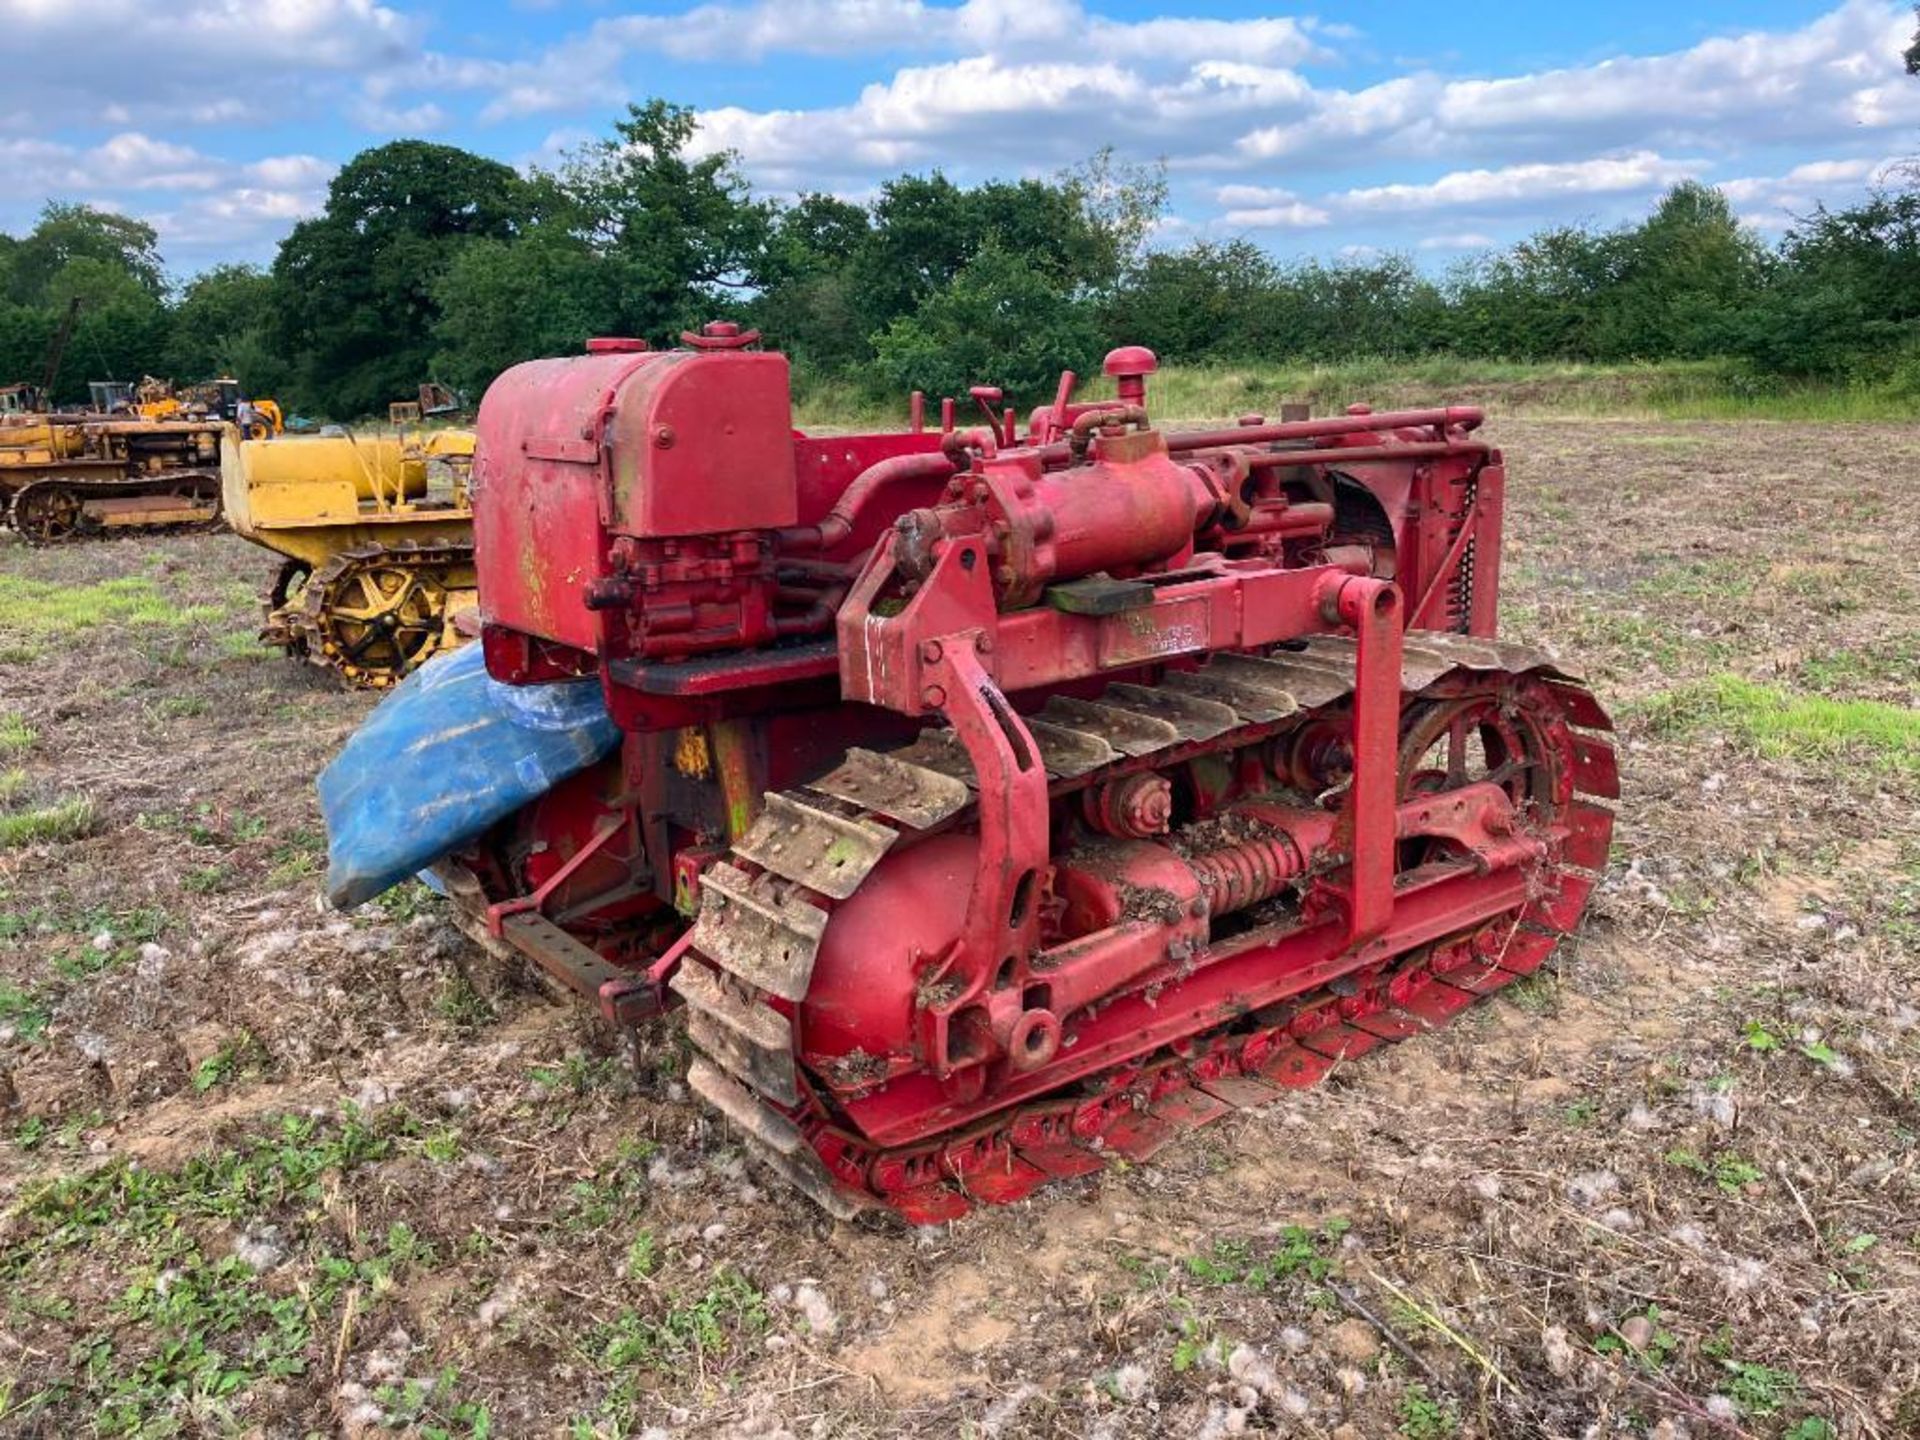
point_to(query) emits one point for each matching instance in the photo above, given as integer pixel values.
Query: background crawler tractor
(377, 540)
(996, 799)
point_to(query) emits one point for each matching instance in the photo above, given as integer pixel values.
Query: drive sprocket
(374, 615)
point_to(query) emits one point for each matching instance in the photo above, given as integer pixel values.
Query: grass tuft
(1782, 725)
(41, 609)
(68, 819)
(15, 734)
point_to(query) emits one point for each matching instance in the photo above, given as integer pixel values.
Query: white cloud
(1292, 215)
(1838, 72)
(1241, 195)
(1420, 159)
(422, 119)
(587, 69)
(1523, 184)
(204, 207)
(1007, 29)
(206, 61)
(1774, 202)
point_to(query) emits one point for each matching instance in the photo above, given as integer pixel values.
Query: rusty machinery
(378, 539)
(1000, 799)
(70, 476)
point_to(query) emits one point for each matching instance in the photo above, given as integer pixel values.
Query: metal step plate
(765, 938)
(1194, 718)
(1258, 703)
(1311, 682)
(912, 794)
(774, 1138)
(816, 847)
(1068, 753)
(752, 1041)
(939, 750)
(1128, 731)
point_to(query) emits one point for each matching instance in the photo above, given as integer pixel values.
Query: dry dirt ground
(271, 1171)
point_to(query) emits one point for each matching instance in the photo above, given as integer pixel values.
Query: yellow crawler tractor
(65, 477)
(378, 538)
(221, 399)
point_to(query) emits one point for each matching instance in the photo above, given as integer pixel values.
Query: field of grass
(270, 1170)
(1673, 390)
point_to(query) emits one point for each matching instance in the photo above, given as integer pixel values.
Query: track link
(764, 912)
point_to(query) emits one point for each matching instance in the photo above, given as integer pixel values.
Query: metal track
(764, 913)
(84, 489)
(311, 625)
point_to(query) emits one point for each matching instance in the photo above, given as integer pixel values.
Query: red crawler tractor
(999, 799)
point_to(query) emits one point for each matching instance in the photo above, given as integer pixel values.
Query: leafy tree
(504, 301)
(1683, 274)
(1197, 303)
(1845, 296)
(680, 230)
(221, 316)
(1002, 321)
(926, 230)
(115, 244)
(355, 286)
(810, 301)
(1536, 300)
(1122, 203)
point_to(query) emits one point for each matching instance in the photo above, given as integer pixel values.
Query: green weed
(207, 880)
(1196, 1339)
(461, 1004)
(642, 1256)
(1299, 1252)
(1760, 1389)
(1581, 1112)
(1537, 994)
(433, 1410)
(1727, 1168)
(43, 609)
(616, 1188)
(241, 1058)
(1659, 1349)
(70, 819)
(406, 901)
(15, 734)
(731, 1308)
(577, 1074)
(1422, 1417)
(1782, 725)
(26, 1012)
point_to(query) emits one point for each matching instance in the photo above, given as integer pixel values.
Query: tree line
(431, 262)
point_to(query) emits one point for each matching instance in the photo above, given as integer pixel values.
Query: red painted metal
(1139, 833)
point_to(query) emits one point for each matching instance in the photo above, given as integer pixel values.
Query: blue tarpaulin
(446, 755)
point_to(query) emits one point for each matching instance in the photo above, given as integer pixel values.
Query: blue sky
(1343, 129)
